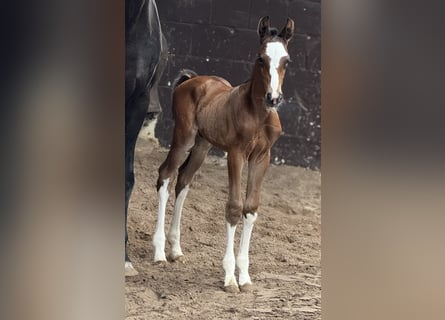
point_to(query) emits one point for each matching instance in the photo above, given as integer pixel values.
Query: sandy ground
(284, 253)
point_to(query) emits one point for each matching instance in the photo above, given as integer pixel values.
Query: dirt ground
(284, 251)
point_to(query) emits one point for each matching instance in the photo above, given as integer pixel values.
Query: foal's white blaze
(159, 235)
(229, 258)
(275, 51)
(174, 233)
(242, 260)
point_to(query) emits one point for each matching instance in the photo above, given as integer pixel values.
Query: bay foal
(241, 120)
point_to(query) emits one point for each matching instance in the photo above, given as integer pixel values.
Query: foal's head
(273, 58)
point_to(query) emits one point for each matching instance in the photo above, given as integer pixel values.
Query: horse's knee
(234, 211)
(250, 206)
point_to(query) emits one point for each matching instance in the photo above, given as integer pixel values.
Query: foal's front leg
(234, 207)
(257, 169)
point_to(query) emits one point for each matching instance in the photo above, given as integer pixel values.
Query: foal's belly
(215, 128)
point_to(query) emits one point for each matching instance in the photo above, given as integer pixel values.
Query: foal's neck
(256, 91)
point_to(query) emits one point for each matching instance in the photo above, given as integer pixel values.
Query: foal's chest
(272, 127)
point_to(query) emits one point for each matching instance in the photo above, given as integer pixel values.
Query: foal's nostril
(269, 96)
(280, 98)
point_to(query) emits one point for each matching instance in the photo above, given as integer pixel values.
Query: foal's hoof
(130, 271)
(231, 289)
(247, 287)
(160, 262)
(179, 258)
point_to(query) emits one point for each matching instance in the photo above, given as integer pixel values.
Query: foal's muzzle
(273, 101)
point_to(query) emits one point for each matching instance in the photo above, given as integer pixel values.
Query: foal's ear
(263, 28)
(288, 30)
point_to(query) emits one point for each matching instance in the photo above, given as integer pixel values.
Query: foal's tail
(184, 75)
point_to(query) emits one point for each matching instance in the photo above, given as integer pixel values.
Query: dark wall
(218, 37)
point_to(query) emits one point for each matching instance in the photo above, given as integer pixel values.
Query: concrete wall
(218, 37)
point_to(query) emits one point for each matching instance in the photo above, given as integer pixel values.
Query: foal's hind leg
(186, 173)
(183, 140)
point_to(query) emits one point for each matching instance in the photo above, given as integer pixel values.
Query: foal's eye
(260, 60)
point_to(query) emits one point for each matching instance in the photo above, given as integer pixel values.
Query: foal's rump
(192, 92)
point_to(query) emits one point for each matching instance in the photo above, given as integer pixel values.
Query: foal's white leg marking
(242, 260)
(174, 234)
(159, 235)
(229, 258)
(275, 51)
